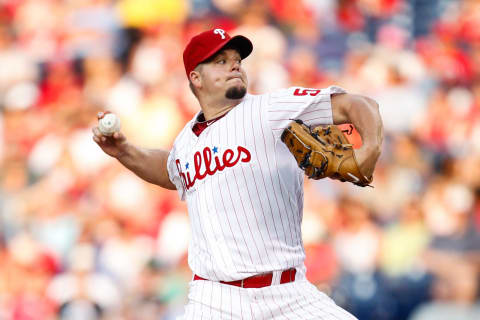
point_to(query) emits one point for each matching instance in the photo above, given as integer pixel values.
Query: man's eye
(221, 61)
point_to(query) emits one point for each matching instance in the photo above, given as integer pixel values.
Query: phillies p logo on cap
(206, 44)
(221, 32)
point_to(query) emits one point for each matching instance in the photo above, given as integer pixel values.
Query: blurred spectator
(123, 255)
(455, 295)
(404, 242)
(357, 240)
(91, 28)
(81, 293)
(146, 13)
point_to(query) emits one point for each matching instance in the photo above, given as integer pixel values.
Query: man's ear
(196, 79)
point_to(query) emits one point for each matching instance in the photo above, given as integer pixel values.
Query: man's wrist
(367, 158)
(373, 149)
(125, 153)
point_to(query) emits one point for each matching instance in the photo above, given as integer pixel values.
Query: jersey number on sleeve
(304, 92)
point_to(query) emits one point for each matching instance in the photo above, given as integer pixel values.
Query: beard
(236, 92)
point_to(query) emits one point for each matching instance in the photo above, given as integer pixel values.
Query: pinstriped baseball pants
(295, 300)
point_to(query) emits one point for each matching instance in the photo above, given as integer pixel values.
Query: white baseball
(109, 124)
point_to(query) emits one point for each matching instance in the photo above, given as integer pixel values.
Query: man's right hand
(148, 164)
(114, 145)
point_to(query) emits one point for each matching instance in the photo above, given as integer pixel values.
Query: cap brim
(241, 43)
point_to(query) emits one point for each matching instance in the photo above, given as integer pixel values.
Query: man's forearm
(365, 116)
(363, 113)
(148, 164)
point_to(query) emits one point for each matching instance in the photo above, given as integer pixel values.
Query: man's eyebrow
(218, 55)
(223, 54)
(236, 54)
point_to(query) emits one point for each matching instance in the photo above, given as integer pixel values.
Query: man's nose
(236, 65)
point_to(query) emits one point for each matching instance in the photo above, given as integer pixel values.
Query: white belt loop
(241, 283)
(276, 277)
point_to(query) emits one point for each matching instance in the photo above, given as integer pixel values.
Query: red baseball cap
(206, 44)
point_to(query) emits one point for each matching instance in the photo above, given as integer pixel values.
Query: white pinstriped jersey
(243, 188)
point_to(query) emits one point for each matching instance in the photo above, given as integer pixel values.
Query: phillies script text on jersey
(204, 160)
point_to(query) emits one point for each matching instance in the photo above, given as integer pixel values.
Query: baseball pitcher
(238, 164)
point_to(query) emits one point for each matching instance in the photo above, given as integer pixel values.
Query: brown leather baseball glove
(324, 151)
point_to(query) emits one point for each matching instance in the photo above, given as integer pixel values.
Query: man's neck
(212, 111)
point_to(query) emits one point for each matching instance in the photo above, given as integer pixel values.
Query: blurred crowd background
(83, 238)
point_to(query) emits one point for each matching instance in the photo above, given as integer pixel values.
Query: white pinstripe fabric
(298, 300)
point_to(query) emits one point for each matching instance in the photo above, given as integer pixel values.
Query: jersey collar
(201, 124)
